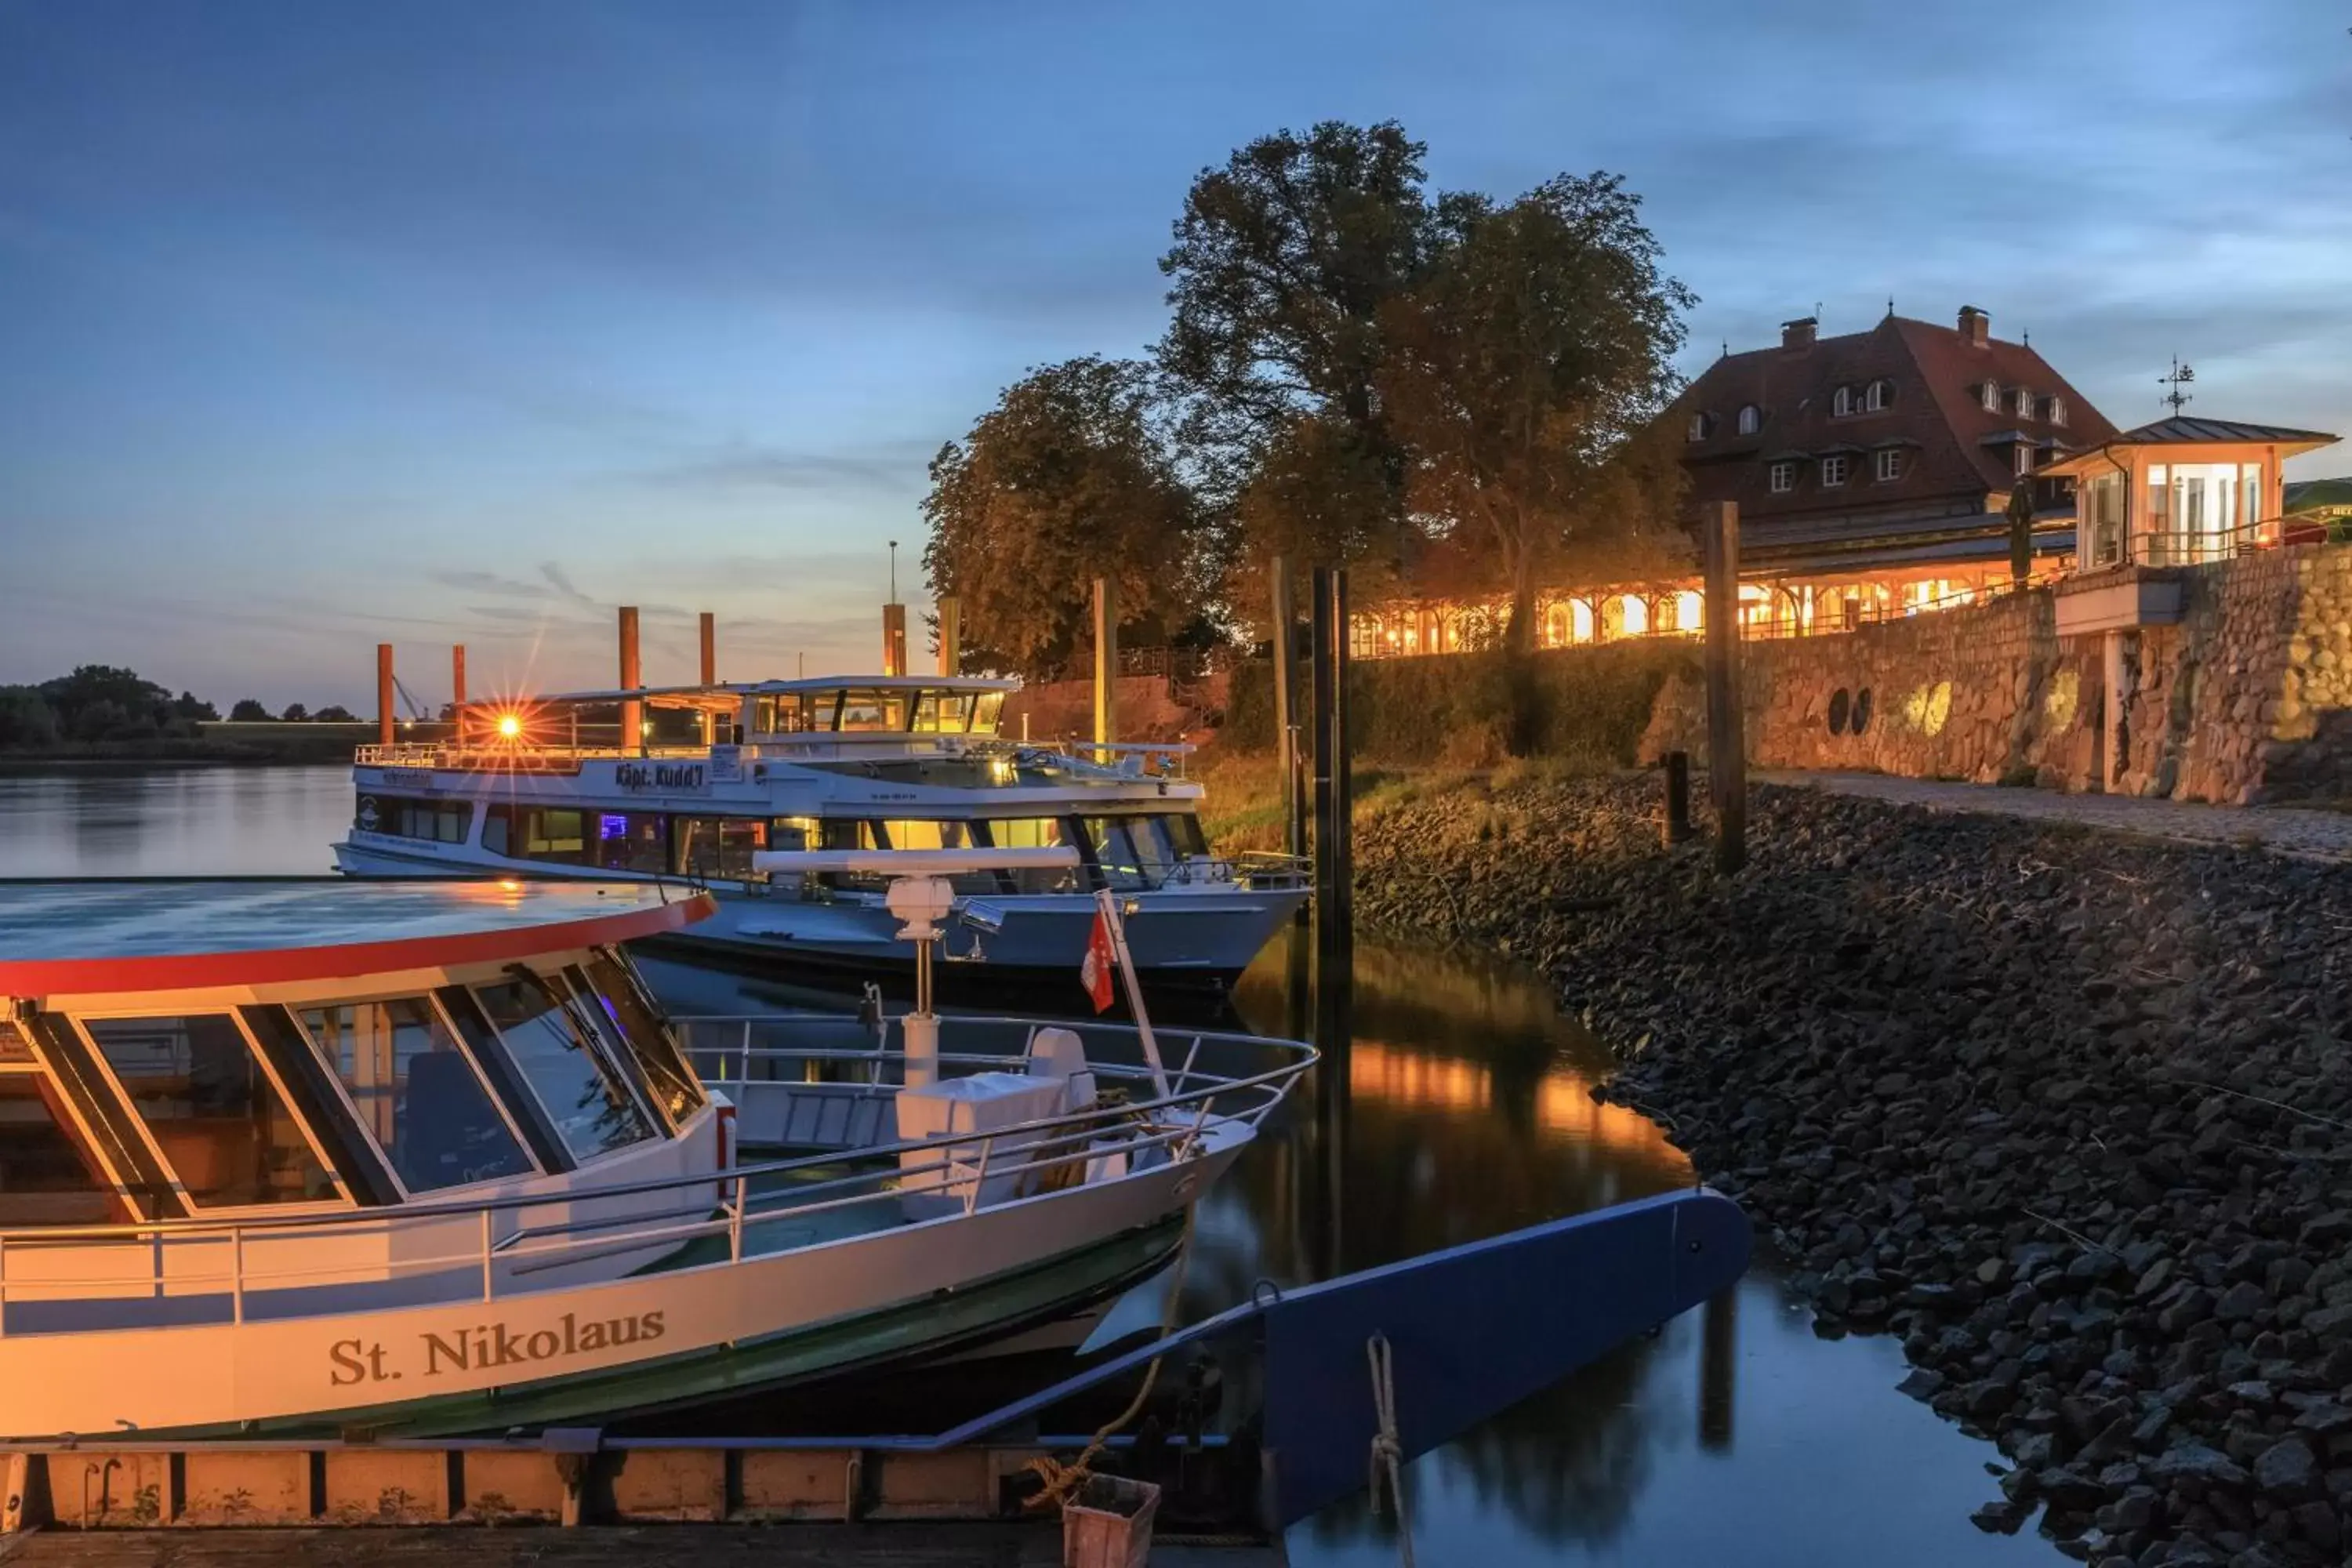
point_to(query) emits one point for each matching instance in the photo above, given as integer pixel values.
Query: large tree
(1525, 374)
(1284, 262)
(1065, 480)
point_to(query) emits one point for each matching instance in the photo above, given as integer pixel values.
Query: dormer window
(2057, 410)
(2025, 457)
(1990, 393)
(2024, 404)
(1702, 425)
(1878, 396)
(1833, 471)
(1890, 464)
(1751, 418)
(1841, 401)
(1781, 478)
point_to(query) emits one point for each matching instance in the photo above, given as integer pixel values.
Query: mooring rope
(1061, 1480)
(1387, 1453)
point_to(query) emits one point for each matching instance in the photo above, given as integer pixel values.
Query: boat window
(870, 710)
(219, 1122)
(1155, 846)
(792, 831)
(719, 847)
(985, 711)
(46, 1178)
(494, 830)
(440, 821)
(909, 833)
(416, 1092)
(1115, 850)
(1184, 831)
(942, 713)
(640, 1028)
(631, 841)
(546, 833)
(1031, 833)
(583, 1093)
(791, 713)
(14, 1046)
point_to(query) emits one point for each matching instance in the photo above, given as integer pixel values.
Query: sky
(324, 324)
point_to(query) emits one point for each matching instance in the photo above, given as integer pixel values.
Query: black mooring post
(1727, 746)
(1334, 911)
(1679, 822)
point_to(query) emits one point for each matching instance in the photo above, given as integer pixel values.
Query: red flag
(1093, 974)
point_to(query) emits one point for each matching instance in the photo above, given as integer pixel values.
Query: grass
(1244, 810)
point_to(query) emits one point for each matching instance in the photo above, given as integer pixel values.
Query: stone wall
(2249, 698)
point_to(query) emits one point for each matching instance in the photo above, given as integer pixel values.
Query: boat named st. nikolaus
(426, 1158)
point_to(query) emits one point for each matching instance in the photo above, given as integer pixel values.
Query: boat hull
(1189, 940)
(664, 1336)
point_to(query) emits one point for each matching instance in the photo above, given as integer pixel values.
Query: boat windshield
(215, 1115)
(43, 1177)
(638, 1024)
(583, 1093)
(416, 1092)
(872, 710)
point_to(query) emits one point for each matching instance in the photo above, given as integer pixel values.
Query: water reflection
(106, 821)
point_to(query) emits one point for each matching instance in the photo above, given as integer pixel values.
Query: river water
(1735, 1437)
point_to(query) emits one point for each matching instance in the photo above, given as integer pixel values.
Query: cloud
(897, 469)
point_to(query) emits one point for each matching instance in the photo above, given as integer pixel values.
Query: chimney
(1798, 333)
(1975, 326)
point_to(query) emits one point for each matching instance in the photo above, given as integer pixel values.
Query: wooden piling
(1285, 716)
(894, 639)
(457, 691)
(383, 694)
(709, 648)
(1677, 825)
(951, 635)
(1105, 664)
(1726, 743)
(633, 711)
(1334, 899)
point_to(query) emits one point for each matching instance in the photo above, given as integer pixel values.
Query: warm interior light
(509, 726)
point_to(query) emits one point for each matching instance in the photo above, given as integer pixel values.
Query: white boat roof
(135, 934)
(731, 690)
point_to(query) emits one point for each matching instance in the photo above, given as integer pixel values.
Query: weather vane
(2181, 376)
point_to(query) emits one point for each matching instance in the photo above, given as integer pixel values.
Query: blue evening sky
(328, 323)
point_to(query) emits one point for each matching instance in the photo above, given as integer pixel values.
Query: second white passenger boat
(425, 1158)
(692, 783)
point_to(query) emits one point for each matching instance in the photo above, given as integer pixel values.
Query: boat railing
(514, 1240)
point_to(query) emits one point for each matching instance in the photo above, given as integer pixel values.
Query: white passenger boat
(424, 1157)
(691, 783)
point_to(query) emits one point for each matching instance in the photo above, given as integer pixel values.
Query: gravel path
(2325, 835)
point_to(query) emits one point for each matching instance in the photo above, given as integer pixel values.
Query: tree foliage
(1284, 262)
(1066, 480)
(1528, 371)
(249, 710)
(96, 703)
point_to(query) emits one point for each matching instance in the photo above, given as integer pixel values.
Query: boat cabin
(866, 711)
(210, 1049)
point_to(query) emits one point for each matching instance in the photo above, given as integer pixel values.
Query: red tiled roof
(1937, 412)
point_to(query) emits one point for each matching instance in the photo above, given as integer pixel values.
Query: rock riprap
(2070, 1113)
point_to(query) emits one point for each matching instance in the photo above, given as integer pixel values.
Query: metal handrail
(1277, 1079)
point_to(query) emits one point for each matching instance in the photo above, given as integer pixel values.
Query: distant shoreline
(222, 744)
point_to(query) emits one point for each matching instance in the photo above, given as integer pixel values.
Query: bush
(1587, 705)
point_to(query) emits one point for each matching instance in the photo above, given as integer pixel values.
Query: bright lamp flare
(510, 727)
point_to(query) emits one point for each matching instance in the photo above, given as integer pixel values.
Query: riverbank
(2062, 1109)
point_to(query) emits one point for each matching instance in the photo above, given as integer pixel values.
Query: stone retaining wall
(2248, 698)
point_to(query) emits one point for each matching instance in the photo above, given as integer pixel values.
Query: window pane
(223, 1130)
(592, 1108)
(640, 1028)
(43, 1179)
(719, 847)
(874, 711)
(1115, 851)
(418, 1093)
(631, 841)
(552, 834)
(984, 716)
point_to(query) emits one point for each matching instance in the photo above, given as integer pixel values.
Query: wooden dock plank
(893, 1545)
